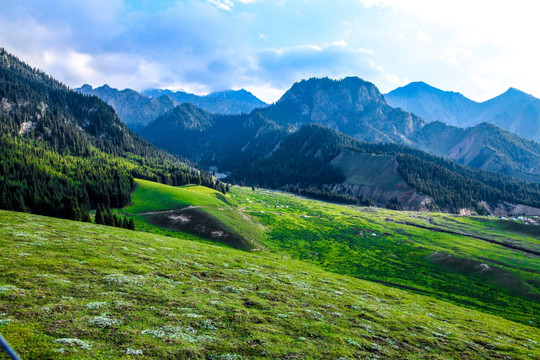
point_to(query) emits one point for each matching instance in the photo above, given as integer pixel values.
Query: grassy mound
(70, 290)
(197, 210)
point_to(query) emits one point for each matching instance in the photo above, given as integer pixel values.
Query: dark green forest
(302, 165)
(63, 153)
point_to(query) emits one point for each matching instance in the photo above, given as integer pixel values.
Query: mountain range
(514, 110)
(351, 106)
(138, 109)
(278, 146)
(220, 102)
(337, 140)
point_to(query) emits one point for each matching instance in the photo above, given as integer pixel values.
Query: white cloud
(341, 43)
(423, 36)
(456, 55)
(208, 45)
(479, 39)
(222, 4)
(229, 4)
(396, 80)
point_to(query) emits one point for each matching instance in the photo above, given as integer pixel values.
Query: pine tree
(75, 211)
(85, 215)
(19, 204)
(99, 215)
(109, 219)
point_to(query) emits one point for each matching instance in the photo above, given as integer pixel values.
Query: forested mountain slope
(313, 157)
(259, 151)
(353, 107)
(63, 152)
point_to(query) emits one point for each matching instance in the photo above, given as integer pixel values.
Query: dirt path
(505, 244)
(167, 211)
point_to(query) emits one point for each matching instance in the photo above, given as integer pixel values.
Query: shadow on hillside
(197, 222)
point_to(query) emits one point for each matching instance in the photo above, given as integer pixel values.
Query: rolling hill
(197, 210)
(114, 293)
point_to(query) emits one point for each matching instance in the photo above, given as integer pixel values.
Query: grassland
(376, 244)
(203, 213)
(70, 290)
(369, 243)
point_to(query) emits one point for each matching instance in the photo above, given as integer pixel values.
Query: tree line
(63, 153)
(106, 217)
(303, 164)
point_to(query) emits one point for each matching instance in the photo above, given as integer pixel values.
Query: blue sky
(479, 48)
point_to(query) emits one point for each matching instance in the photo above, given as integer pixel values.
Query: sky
(476, 47)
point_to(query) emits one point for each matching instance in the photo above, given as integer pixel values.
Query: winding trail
(435, 229)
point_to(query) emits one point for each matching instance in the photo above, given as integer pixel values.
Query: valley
(323, 226)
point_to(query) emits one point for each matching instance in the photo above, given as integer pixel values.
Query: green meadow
(261, 274)
(370, 243)
(70, 290)
(375, 244)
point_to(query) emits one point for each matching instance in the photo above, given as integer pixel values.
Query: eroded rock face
(507, 209)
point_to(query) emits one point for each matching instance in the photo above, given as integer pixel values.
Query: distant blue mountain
(231, 102)
(137, 110)
(514, 110)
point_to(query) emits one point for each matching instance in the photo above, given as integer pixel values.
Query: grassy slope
(340, 239)
(367, 169)
(115, 290)
(151, 197)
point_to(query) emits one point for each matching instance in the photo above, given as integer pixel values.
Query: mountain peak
(511, 96)
(352, 90)
(417, 87)
(241, 95)
(419, 84)
(514, 91)
(86, 87)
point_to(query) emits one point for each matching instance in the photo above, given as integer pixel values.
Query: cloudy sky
(476, 47)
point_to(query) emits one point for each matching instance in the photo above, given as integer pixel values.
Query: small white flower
(103, 321)
(96, 305)
(74, 342)
(133, 351)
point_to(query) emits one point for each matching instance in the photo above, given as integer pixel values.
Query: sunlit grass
(86, 291)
